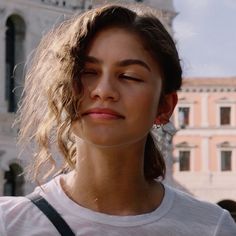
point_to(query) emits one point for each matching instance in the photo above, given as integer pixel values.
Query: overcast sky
(205, 31)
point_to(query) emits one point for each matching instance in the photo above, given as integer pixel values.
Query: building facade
(22, 25)
(205, 144)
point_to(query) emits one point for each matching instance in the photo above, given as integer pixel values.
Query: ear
(166, 107)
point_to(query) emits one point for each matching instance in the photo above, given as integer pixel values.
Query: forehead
(115, 44)
(118, 41)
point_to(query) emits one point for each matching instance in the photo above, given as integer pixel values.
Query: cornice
(208, 89)
(229, 131)
(209, 85)
(65, 4)
(47, 5)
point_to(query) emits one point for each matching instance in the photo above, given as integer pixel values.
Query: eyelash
(88, 72)
(122, 76)
(130, 78)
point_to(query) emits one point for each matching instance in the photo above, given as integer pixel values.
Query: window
(226, 160)
(14, 55)
(10, 63)
(225, 115)
(183, 116)
(184, 160)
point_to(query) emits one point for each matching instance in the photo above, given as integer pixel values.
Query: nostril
(105, 92)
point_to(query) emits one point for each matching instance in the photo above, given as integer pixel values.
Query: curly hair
(50, 104)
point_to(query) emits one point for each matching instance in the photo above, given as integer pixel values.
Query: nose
(105, 88)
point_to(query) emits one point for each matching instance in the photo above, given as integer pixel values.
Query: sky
(205, 31)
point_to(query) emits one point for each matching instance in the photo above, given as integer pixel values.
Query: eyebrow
(92, 60)
(129, 62)
(123, 63)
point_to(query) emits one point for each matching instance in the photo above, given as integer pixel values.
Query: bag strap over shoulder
(60, 224)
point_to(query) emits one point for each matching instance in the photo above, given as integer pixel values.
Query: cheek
(150, 108)
(144, 108)
(76, 128)
(150, 101)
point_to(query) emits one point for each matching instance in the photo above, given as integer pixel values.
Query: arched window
(14, 181)
(15, 34)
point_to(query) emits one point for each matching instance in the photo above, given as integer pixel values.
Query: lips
(103, 113)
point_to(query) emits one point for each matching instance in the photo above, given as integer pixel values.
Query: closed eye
(87, 73)
(124, 76)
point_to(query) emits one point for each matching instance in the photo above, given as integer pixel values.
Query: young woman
(97, 85)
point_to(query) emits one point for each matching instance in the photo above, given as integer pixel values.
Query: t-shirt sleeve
(226, 225)
(2, 220)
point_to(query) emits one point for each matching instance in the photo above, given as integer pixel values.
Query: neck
(112, 181)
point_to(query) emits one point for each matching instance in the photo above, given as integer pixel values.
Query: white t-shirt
(178, 215)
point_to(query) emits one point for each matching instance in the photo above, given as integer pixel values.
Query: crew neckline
(56, 196)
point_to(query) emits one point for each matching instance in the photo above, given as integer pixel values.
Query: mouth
(103, 113)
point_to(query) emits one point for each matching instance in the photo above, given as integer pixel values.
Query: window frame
(191, 115)
(219, 115)
(231, 163)
(230, 147)
(184, 150)
(225, 102)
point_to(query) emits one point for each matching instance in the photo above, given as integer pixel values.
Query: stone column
(204, 110)
(205, 154)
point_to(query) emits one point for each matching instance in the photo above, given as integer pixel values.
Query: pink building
(205, 144)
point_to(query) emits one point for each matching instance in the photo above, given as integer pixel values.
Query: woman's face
(122, 85)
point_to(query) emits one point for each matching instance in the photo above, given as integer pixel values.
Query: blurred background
(202, 155)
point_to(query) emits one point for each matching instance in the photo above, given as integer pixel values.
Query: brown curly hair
(49, 103)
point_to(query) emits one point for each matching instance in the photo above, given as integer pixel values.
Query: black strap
(60, 224)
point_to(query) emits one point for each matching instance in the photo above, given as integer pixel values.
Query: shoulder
(194, 206)
(12, 205)
(19, 216)
(12, 208)
(192, 210)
